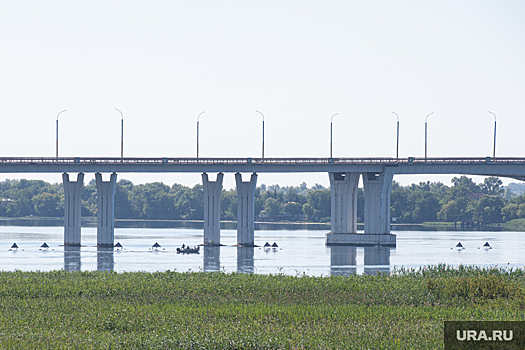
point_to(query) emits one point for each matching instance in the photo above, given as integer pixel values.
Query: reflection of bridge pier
(343, 260)
(72, 258)
(212, 258)
(377, 256)
(105, 259)
(245, 262)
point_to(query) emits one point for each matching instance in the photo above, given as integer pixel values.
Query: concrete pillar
(245, 210)
(72, 209)
(343, 187)
(377, 201)
(105, 210)
(212, 209)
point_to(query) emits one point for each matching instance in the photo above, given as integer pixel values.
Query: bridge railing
(258, 161)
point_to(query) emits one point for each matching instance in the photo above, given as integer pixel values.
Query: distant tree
(489, 208)
(272, 207)
(320, 200)
(292, 208)
(492, 186)
(47, 204)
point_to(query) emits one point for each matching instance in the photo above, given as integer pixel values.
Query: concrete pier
(212, 209)
(245, 210)
(377, 187)
(377, 201)
(344, 202)
(106, 210)
(72, 209)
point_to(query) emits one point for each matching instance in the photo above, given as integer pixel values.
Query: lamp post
(494, 151)
(65, 110)
(426, 134)
(198, 132)
(331, 119)
(121, 135)
(262, 133)
(397, 146)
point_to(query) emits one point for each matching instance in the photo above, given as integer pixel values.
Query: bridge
(344, 173)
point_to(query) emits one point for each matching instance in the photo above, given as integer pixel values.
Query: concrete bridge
(344, 173)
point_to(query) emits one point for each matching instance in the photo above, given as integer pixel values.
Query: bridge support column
(212, 209)
(343, 187)
(106, 210)
(377, 201)
(72, 209)
(245, 210)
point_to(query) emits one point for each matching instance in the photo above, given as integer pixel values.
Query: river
(299, 251)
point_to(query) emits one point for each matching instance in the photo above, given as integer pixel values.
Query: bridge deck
(487, 166)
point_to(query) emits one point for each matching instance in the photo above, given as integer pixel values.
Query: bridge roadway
(344, 174)
(486, 166)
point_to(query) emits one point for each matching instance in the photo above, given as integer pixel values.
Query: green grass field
(196, 310)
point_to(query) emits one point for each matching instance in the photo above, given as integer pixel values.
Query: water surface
(300, 251)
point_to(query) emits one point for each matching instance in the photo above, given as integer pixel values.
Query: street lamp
(262, 133)
(331, 133)
(426, 134)
(121, 135)
(198, 133)
(65, 110)
(494, 151)
(397, 147)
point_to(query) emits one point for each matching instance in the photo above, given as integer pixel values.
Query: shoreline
(259, 225)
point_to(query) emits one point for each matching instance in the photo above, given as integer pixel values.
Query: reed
(402, 310)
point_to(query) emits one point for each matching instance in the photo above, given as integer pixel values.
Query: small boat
(188, 250)
(460, 246)
(274, 245)
(487, 245)
(118, 246)
(44, 246)
(156, 246)
(14, 246)
(267, 245)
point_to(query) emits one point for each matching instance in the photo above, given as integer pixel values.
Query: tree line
(464, 201)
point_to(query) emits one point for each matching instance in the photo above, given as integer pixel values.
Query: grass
(515, 222)
(438, 223)
(195, 310)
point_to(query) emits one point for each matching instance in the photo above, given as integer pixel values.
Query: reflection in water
(212, 258)
(341, 258)
(105, 259)
(245, 259)
(376, 256)
(71, 258)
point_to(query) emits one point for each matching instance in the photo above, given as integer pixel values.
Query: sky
(162, 63)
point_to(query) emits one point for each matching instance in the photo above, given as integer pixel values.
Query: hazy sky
(299, 62)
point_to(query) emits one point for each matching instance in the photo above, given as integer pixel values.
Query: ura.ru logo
(473, 335)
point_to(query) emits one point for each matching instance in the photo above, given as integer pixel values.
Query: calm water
(300, 251)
